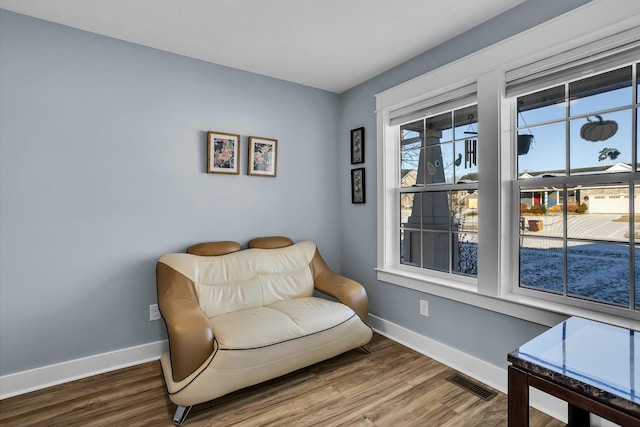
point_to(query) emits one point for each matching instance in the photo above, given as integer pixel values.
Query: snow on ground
(595, 270)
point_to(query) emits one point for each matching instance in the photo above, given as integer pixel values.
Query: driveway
(581, 226)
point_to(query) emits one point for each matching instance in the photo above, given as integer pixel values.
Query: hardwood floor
(392, 386)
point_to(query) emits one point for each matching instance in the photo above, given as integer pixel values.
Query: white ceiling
(327, 44)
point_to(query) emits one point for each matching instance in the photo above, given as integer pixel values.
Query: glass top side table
(593, 366)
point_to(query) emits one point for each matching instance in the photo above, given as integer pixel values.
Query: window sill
(524, 307)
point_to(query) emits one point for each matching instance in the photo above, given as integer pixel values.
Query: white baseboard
(46, 376)
(478, 369)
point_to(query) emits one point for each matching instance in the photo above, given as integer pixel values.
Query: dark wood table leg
(518, 398)
(578, 417)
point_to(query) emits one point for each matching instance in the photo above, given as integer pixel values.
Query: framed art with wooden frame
(223, 153)
(263, 156)
(357, 146)
(357, 186)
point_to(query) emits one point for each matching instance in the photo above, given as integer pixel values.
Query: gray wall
(103, 169)
(484, 334)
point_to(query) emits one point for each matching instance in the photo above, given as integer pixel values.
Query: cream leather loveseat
(237, 317)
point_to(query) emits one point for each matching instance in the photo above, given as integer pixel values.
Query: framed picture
(357, 186)
(357, 146)
(223, 152)
(263, 156)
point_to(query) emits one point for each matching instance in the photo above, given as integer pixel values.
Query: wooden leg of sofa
(181, 415)
(365, 348)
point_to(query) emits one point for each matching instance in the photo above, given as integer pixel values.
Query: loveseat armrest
(191, 339)
(347, 291)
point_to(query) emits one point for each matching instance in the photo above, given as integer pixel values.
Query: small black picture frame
(357, 145)
(358, 186)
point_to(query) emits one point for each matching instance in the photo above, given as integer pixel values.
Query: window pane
(410, 222)
(598, 272)
(410, 247)
(601, 92)
(447, 162)
(601, 144)
(435, 210)
(410, 210)
(411, 135)
(598, 212)
(439, 129)
(636, 216)
(466, 122)
(464, 210)
(637, 277)
(541, 211)
(541, 106)
(410, 152)
(439, 164)
(436, 251)
(466, 160)
(547, 153)
(541, 264)
(465, 254)
(409, 168)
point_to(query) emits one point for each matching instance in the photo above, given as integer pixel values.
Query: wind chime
(470, 153)
(470, 147)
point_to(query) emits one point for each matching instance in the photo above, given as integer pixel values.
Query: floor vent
(472, 387)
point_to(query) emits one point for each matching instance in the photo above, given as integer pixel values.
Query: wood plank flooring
(392, 386)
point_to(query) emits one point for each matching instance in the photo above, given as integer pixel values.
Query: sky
(548, 152)
(548, 124)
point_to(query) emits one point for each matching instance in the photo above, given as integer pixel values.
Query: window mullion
(565, 192)
(633, 286)
(565, 239)
(632, 246)
(567, 130)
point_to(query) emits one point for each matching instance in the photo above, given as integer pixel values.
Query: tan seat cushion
(278, 322)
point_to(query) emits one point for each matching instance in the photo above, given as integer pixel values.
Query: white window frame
(443, 108)
(599, 178)
(494, 288)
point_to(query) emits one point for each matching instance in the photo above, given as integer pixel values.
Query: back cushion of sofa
(249, 278)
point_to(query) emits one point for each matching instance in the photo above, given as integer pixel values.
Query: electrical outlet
(154, 312)
(424, 308)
